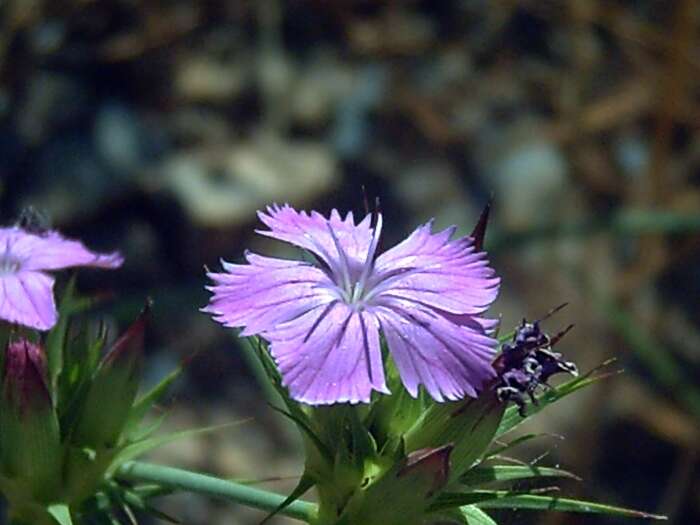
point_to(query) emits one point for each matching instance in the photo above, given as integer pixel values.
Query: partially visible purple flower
(427, 295)
(26, 291)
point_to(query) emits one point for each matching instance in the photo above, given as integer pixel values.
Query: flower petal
(265, 292)
(451, 361)
(312, 232)
(51, 251)
(431, 269)
(26, 298)
(330, 355)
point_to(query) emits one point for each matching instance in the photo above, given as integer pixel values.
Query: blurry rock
(69, 180)
(432, 189)
(198, 125)
(50, 100)
(120, 139)
(48, 36)
(632, 155)
(448, 69)
(398, 31)
(225, 187)
(351, 128)
(325, 82)
(200, 78)
(275, 72)
(528, 173)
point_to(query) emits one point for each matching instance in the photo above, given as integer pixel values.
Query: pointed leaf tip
(60, 512)
(130, 343)
(479, 231)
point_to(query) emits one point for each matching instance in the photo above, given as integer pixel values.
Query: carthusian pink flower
(26, 291)
(427, 296)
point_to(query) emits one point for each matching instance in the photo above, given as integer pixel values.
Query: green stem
(179, 479)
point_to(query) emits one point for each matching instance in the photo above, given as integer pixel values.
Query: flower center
(352, 277)
(356, 294)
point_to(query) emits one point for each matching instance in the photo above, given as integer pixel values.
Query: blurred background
(159, 127)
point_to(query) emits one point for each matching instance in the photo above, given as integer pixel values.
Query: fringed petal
(431, 269)
(330, 355)
(449, 360)
(26, 298)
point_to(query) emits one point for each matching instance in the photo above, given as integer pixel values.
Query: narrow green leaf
(56, 338)
(61, 513)
(138, 448)
(144, 403)
(537, 502)
(146, 430)
(305, 429)
(668, 371)
(363, 444)
(130, 500)
(469, 515)
(512, 417)
(514, 443)
(294, 410)
(79, 367)
(503, 499)
(305, 483)
(498, 473)
(476, 516)
(264, 370)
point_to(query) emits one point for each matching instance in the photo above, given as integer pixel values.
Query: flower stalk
(184, 480)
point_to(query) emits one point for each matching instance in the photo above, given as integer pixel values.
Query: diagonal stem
(184, 480)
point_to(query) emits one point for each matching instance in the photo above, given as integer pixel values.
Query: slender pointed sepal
(404, 493)
(113, 390)
(469, 425)
(479, 231)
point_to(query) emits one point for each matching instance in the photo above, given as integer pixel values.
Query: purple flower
(426, 295)
(26, 291)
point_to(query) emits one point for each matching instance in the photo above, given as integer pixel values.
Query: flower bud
(30, 449)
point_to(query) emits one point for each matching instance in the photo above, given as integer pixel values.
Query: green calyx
(70, 417)
(387, 462)
(112, 391)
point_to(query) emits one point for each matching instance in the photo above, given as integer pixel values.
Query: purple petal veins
(26, 292)
(427, 296)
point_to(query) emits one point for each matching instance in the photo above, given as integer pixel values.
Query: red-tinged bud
(31, 453)
(433, 464)
(24, 381)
